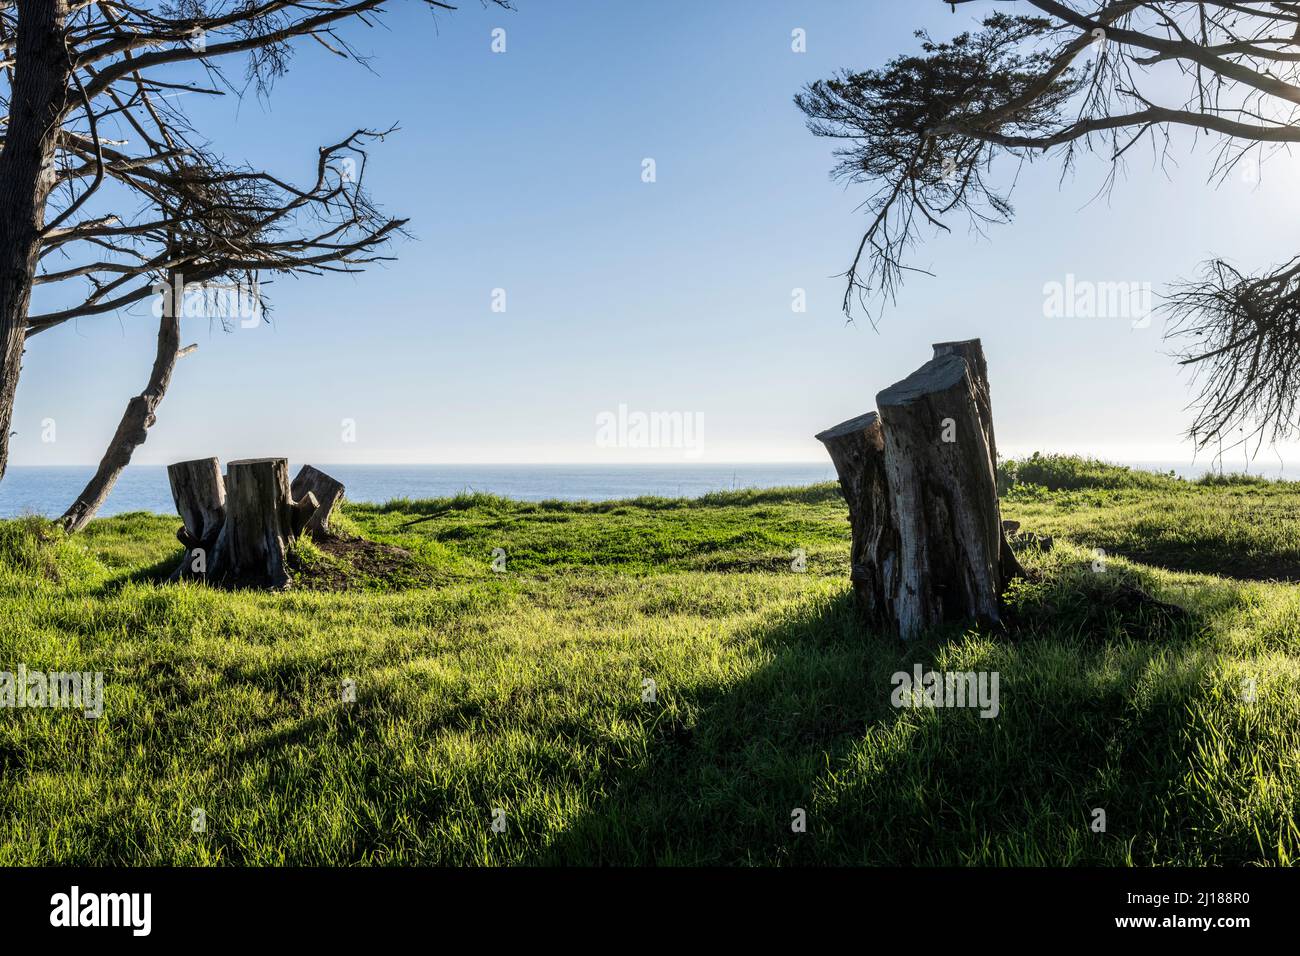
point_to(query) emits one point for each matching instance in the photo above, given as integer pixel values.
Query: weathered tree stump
(252, 548)
(237, 531)
(945, 505)
(327, 491)
(857, 447)
(304, 509)
(200, 496)
(973, 353)
(920, 480)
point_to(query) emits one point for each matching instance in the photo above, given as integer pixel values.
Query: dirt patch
(348, 563)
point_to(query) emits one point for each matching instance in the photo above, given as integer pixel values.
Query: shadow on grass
(159, 572)
(1096, 711)
(1207, 555)
(1080, 727)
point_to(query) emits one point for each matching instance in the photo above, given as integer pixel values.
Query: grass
(1235, 525)
(523, 691)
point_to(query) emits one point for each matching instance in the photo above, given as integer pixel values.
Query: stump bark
(200, 496)
(973, 353)
(857, 448)
(252, 549)
(327, 492)
(304, 509)
(237, 531)
(920, 479)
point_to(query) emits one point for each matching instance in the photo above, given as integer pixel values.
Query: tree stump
(252, 548)
(973, 353)
(237, 531)
(919, 477)
(304, 509)
(328, 494)
(200, 496)
(857, 448)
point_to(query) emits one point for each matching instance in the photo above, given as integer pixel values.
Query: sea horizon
(49, 489)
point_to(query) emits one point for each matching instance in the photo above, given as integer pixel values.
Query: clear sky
(522, 171)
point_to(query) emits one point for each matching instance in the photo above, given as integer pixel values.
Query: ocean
(49, 491)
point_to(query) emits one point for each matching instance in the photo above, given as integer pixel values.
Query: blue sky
(522, 171)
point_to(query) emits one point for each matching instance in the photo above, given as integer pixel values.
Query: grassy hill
(522, 691)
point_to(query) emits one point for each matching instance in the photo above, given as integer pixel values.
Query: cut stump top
(861, 423)
(937, 375)
(257, 461)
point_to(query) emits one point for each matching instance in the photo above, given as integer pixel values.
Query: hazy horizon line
(1208, 462)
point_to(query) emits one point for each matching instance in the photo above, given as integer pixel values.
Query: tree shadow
(1097, 710)
(1206, 554)
(159, 572)
(1083, 724)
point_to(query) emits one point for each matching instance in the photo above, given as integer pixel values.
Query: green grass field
(522, 691)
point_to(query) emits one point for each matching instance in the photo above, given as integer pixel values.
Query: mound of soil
(358, 564)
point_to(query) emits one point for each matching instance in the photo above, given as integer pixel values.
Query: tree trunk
(200, 496)
(37, 103)
(133, 429)
(252, 549)
(920, 480)
(327, 491)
